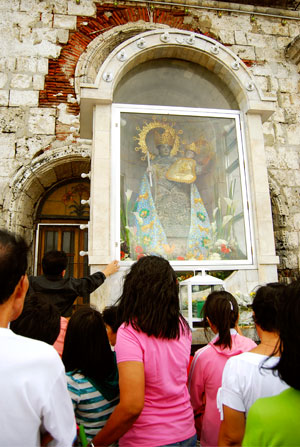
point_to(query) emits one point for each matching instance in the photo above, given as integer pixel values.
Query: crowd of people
(123, 377)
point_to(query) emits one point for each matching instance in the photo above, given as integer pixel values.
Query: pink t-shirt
(167, 416)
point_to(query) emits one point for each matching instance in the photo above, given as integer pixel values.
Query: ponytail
(222, 310)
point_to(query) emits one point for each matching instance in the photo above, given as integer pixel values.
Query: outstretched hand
(112, 268)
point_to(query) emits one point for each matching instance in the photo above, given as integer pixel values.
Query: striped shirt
(91, 409)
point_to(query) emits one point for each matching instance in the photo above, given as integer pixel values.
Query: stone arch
(30, 183)
(157, 43)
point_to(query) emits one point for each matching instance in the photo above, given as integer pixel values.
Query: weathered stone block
(7, 145)
(4, 97)
(227, 37)
(23, 98)
(62, 35)
(3, 80)
(60, 7)
(42, 65)
(84, 8)
(240, 37)
(33, 5)
(21, 81)
(27, 64)
(288, 85)
(261, 40)
(12, 120)
(65, 22)
(41, 121)
(244, 52)
(38, 82)
(293, 134)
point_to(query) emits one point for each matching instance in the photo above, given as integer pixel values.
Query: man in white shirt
(34, 396)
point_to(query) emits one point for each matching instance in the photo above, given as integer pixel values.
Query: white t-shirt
(245, 379)
(34, 396)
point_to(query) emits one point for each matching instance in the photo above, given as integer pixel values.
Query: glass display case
(193, 293)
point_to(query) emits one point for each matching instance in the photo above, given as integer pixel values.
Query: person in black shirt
(63, 291)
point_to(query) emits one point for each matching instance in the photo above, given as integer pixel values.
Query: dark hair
(13, 263)
(109, 315)
(222, 310)
(39, 320)
(86, 347)
(150, 299)
(54, 262)
(289, 323)
(265, 306)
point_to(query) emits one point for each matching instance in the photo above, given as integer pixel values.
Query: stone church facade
(61, 64)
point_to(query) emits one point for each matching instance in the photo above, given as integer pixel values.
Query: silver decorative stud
(190, 40)
(141, 43)
(122, 56)
(250, 86)
(165, 37)
(108, 76)
(215, 49)
(235, 65)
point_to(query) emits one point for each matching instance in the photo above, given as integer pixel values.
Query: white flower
(228, 201)
(128, 194)
(226, 219)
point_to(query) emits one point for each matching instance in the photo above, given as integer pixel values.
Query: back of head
(289, 324)
(222, 310)
(150, 300)
(86, 346)
(54, 262)
(13, 263)
(39, 320)
(265, 306)
(109, 315)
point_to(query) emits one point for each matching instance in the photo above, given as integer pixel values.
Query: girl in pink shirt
(153, 351)
(221, 313)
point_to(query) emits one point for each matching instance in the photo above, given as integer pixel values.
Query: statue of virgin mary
(169, 213)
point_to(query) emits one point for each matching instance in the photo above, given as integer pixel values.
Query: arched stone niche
(31, 182)
(96, 102)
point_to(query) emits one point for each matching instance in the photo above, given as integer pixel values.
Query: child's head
(86, 346)
(109, 315)
(221, 311)
(265, 306)
(39, 319)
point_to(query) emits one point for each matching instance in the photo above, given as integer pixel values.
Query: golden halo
(141, 138)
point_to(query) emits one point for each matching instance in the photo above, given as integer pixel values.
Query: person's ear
(19, 295)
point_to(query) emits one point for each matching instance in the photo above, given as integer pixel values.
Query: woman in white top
(247, 377)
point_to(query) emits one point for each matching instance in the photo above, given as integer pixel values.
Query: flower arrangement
(222, 244)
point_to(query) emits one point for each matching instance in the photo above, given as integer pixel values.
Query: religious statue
(169, 213)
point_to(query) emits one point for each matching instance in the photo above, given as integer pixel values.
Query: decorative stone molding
(157, 43)
(31, 182)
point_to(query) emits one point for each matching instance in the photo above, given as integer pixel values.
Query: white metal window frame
(193, 265)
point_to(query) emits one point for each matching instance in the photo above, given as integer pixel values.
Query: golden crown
(169, 136)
